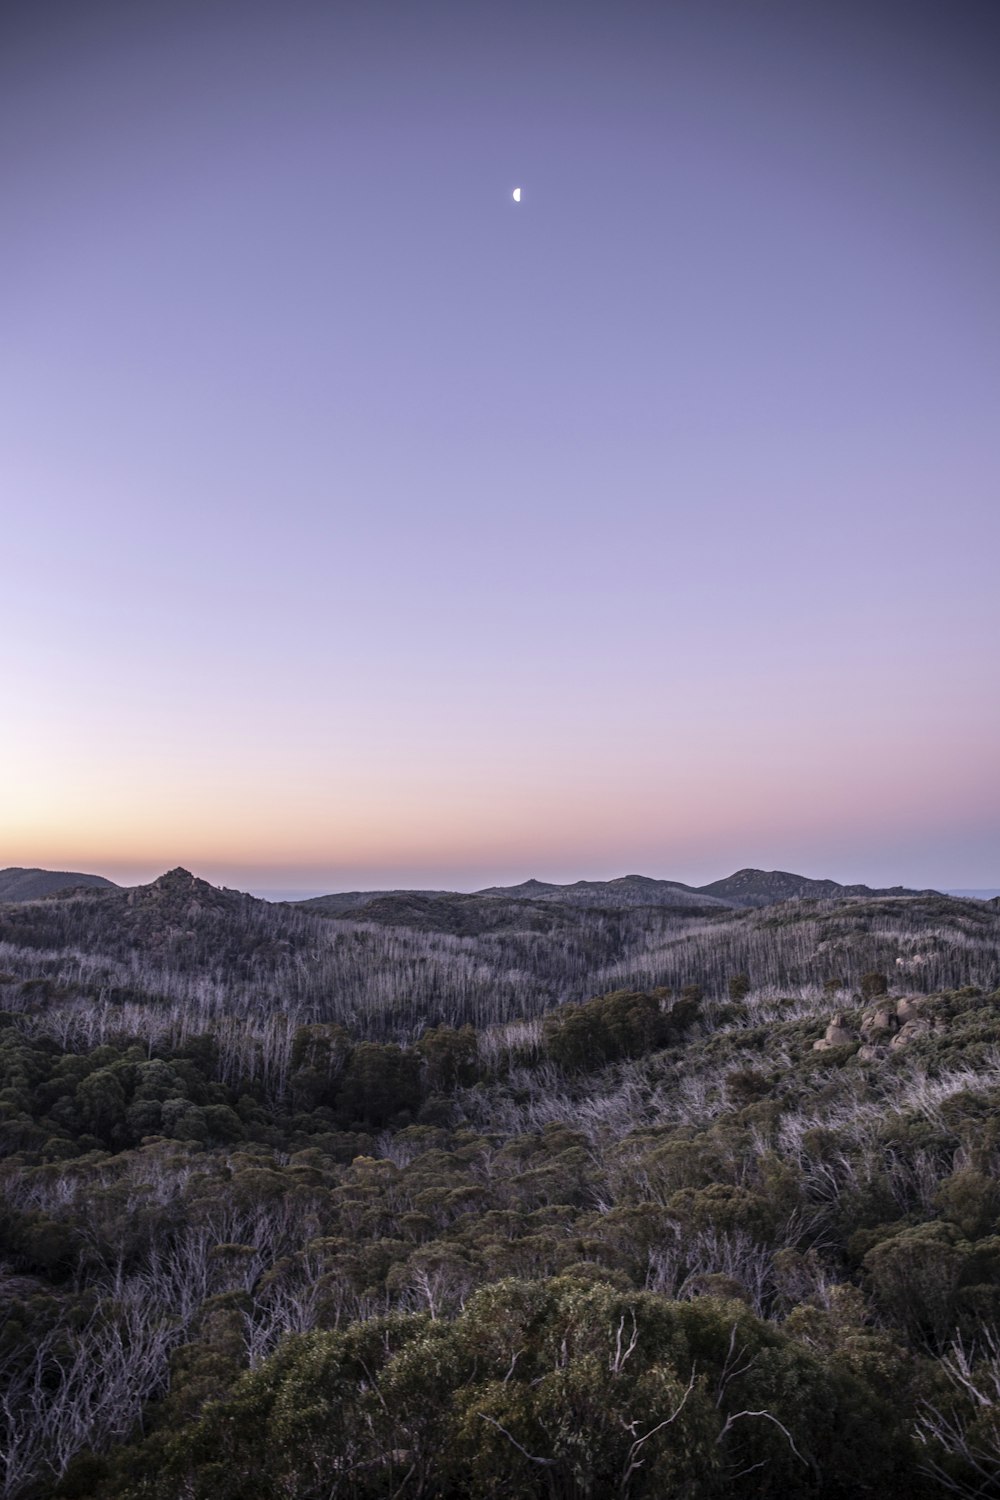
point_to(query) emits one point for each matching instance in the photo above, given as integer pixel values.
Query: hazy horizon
(364, 528)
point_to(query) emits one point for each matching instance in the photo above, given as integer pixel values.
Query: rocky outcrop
(910, 1031)
(837, 1034)
(886, 1027)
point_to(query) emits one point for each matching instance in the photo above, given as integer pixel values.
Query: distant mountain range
(626, 890)
(746, 888)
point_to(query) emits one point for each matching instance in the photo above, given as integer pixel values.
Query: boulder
(909, 1032)
(880, 1022)
(837, 1034)
(910, 1007)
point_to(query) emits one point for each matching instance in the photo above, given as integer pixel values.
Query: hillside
(31, 885)
(344, 903)
(529, 907)
(181, 954)
(297, 1206)
(459, 914)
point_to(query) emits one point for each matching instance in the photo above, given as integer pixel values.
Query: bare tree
(962, 1440)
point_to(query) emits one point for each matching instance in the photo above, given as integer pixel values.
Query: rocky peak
(178, 889)
(177, 880)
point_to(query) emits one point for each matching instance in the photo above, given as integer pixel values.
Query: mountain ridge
(746, 888)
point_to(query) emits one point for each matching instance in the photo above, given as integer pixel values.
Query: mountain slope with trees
(728, 1228)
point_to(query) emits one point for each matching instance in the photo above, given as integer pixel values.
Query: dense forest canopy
(565, 1201)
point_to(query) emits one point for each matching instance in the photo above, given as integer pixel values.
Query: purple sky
(363, 527)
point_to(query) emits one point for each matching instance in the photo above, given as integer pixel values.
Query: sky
(362, 527)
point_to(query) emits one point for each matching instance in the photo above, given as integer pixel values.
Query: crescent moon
(517, 195)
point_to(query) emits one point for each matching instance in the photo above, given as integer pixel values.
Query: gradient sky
(362, 527)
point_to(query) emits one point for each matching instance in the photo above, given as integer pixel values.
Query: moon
(517, 195)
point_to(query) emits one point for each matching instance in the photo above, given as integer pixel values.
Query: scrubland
(640, 1203)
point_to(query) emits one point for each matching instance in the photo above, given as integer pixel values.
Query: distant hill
(344, 903)
(178, 905)
(31, 885)
(626, 890)
(767, 887)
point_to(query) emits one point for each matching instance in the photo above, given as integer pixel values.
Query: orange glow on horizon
(642, 798)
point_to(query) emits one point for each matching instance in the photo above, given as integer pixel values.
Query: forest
(521, 1199)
